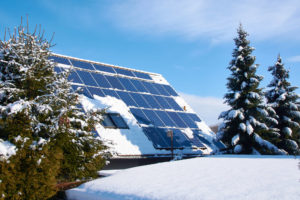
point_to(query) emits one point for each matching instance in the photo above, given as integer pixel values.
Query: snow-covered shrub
(284, 101)
(40, 119)
(246, 125)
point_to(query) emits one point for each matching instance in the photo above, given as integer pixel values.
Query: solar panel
(152, 104)
(127, 84)
(140, 116)
(83, 65)
(104, 68)
(126, 97)
(124, 72)
(101, 80)
(110, 93)
(140, 100)
(142, 75)
(60, 60)
(114, 82)
(87, 78)
(96, 91)
(74, 78)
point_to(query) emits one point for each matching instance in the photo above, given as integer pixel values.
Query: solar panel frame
(111, 93)
(140, 100)
(114, 82)
(96, 91)
(87, 78)
(74, 77)
(151, 101)
(177, 119)
(127, 84)
(156, 121)
(165, 118)
(139, 86)
(140, 116)
(104, 68)
(127, 98)
(150, 88)
(162, 102)
(101, 80)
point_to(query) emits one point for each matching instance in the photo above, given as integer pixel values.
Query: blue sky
(189, 42)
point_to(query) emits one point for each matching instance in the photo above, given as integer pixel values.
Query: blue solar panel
(156, 121)
(60, 60)
(187, 120)
(157, 138)
(96, 91)
(142, 75)
(111, 93)
(57, 69)
(140, 116)
(126, 97)
(83, 90)
(150, 88)
(124, 72)
(87, 78)
(101, 80)
(140, 100)
(81, 64)
(73, 77)
(104, 68)
(197, 134)
(180, 123)
(181, 139)
(161, 89)
(114, 82)
(194, 117)
(170, 90)
(127, 84)
(165, 118)
(151, 101)
(173, 103)
(139, 86)
(161, 100)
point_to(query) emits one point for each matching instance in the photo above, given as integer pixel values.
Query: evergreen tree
(245, 128)
(39, 117)
(282, 98)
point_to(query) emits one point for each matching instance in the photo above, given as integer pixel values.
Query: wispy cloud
(208, 108)
(294, 59)
(213, 20)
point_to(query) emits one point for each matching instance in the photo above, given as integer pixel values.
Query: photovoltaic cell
(60, 60)
(142, 75)
(150, 88)
(170, 90)
(151, 101)
(181, 139)
(104, 68)
(180, 123)
(194, 117)
(96, 91)
(187, 120)
(139, 86)
(124, 72)
(156, 121)
(127, 84)
(161, 100)
(111, 93)
(114, 82)
(81, 64)
(126, 97)
(101, 80)
(57, 69)
(87, 78)
(83, 90)
(74, 78)
(156, 137)
(161, 89)
(140, 116)
(165, 118)
(173, 104)
(140, 100)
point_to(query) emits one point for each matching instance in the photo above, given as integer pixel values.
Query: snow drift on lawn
(207, 178)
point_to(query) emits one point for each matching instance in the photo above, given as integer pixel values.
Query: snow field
(207, 178)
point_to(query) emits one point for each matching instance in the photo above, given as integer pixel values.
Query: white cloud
(213, 20)
(294, 59)
(208, 108)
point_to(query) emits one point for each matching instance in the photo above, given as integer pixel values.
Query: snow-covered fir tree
(245, 126)
(282, 98)
(44, 137)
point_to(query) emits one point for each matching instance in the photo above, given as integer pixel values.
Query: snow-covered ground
(207, 178)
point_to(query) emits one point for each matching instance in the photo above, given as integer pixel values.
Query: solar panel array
(152, 104)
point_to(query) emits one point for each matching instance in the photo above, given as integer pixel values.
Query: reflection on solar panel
(152, 103)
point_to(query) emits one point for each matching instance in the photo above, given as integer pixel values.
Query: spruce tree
(282, 98)
(40, 117)
(245, 128)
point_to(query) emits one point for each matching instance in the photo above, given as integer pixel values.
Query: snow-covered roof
(148, 104)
